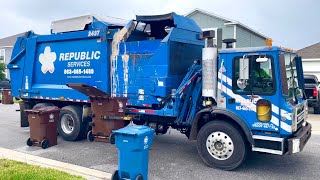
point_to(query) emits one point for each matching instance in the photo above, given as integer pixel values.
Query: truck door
(252, 92)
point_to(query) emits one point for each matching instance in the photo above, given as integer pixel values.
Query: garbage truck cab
(264, 87)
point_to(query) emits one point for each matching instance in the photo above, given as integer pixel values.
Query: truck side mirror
(244, 68)
(283, 73)
(243, 73)
(300, 72)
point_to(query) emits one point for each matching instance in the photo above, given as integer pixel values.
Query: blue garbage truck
(231, 101)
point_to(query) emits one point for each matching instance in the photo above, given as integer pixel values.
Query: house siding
(7, 58)
(311, 66)
(247, 39)
(205, 21)
(244, 37)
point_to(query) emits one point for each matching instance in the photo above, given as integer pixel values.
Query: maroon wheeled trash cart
(43, 126)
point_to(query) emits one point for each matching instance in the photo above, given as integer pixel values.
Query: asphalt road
(172, 156)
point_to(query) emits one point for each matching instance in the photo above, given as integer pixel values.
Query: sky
(290, 23)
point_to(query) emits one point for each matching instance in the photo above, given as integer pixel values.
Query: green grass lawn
(12, 170)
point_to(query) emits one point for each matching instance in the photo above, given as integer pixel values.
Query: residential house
(311, 59)
(6, 47)
(231, 29)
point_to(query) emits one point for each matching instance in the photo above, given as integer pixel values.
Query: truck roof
(256, 49)
(79, 23)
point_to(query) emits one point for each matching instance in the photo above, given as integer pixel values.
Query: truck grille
(299, 116)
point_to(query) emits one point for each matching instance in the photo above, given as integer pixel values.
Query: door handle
(253, 96)
(231, 100)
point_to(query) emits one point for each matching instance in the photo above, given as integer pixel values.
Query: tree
(2, 71)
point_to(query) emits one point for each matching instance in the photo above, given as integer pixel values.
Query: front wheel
(221, 145)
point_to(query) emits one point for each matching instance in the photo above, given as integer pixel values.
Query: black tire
(41, 105)
(112, 138)
(115, 175)
(90, 136)
(78, 131)
(45, 144)
(139, 177)
(240, 147)
(29, 142)
(316, 108)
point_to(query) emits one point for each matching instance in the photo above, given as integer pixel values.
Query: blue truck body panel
(145, 68)
(52, 61)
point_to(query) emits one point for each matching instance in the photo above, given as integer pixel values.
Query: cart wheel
(112, 138)
(45, 144)
(115, 175)
(139, 177)
(29, 142)
(90, 136)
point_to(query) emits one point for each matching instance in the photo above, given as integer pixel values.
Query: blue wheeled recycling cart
(133, 143)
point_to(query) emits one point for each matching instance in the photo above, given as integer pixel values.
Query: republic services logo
(47, 59)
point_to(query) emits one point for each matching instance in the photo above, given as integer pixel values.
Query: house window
(2, 55)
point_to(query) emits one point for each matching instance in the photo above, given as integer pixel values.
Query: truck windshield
(292, 80)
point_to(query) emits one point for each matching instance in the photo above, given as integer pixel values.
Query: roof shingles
(10, 41)
(310, 52)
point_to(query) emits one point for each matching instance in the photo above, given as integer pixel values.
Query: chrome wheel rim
(220, 145)
(67, 123)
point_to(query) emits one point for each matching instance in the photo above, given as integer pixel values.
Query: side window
(261, 77)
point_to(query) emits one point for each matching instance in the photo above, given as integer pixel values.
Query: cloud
(290, 23)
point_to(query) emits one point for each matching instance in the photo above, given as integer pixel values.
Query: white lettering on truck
(69, 56)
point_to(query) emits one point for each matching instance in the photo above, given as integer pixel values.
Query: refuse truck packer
(229, 100)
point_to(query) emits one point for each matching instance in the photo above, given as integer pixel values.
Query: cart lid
(134, 131)
(44, 110)
(90, 91)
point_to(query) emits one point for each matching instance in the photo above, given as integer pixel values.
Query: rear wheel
(90, 136)
(70, 126)
(221, 145)
(139, 177)
(29, 142)
(23, 115)
(45, 144)
(41, 105)
(112, 138)
(115, 175)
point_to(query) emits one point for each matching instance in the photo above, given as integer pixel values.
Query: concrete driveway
(172, 156)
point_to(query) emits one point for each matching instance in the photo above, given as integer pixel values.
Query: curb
(315, 133)
(49, 163)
